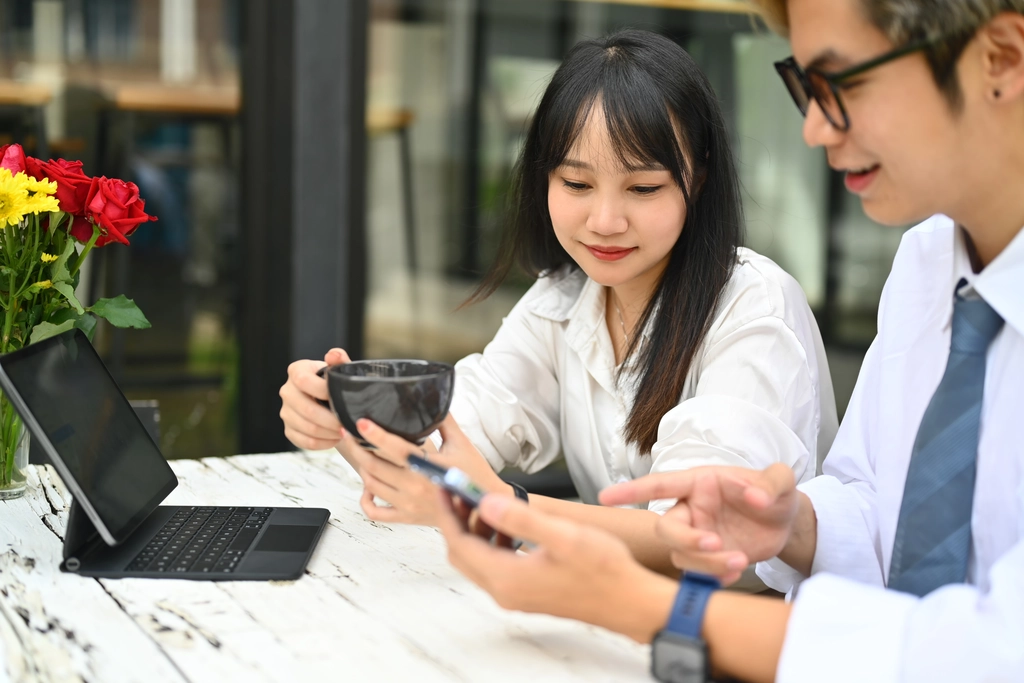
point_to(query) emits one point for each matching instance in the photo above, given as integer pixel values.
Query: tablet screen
(91, 429)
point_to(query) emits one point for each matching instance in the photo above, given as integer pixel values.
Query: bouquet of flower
(51, 216)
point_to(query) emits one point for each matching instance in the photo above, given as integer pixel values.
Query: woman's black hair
(659, 108)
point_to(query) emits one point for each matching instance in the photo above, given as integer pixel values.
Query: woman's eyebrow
(637, 167)
(576, 163)
(645, 166)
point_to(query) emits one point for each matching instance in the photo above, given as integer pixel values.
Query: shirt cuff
(846, 536)
(778, 575)
(843, 631)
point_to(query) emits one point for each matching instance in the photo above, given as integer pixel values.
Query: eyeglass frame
(835, 80)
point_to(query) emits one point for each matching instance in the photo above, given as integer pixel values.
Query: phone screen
(452, 479)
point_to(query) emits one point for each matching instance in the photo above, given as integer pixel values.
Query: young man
(913, 538)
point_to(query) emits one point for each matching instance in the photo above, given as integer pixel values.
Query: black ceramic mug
(407, 397)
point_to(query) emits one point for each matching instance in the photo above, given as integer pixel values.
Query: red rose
(115, 206)
(72, 184)
(12, 157)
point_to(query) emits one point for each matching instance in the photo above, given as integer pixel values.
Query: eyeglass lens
(827, 99)
(804, 86)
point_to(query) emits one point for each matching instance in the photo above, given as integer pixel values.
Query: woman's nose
(607, 215)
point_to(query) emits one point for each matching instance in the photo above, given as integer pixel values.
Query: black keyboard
(201, 539)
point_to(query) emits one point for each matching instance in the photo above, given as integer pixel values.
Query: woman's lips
(610, 254)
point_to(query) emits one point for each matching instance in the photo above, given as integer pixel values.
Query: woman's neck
(624, 308)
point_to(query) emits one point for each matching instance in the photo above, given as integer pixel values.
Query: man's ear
(1001, 43)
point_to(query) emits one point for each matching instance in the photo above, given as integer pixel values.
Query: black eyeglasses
(823, 88)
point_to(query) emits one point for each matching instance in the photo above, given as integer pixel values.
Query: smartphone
(452, 479)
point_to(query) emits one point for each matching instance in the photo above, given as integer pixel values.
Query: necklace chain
(622, 323)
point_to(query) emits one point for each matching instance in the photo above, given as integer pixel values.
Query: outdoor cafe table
(377, 603)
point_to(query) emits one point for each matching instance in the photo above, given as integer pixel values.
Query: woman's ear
(1001, 43)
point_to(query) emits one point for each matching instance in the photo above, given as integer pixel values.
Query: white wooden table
(377, 602)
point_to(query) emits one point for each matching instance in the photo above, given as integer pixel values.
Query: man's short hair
(952, 23)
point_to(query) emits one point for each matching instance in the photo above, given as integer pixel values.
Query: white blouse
(758, 390)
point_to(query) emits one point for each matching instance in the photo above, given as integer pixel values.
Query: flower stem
(12, 305)
(88, 247)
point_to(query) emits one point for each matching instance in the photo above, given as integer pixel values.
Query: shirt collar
(569, 291)
(575, 298)
(999, 283)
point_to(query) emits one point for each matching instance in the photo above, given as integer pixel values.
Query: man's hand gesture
(725, 518)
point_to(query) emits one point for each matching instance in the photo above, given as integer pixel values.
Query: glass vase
(14, 441)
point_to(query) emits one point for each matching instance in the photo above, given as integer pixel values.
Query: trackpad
(287, 538)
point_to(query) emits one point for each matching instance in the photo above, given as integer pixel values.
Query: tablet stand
(80, 539)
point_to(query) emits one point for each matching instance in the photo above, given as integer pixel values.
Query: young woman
(650, 342)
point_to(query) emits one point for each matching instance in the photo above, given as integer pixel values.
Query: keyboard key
(201, 539)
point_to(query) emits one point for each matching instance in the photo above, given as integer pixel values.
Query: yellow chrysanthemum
(43, 284)
(21, 194)
(44, 186)
(48, 258)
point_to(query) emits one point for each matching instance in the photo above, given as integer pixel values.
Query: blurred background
(333, 172)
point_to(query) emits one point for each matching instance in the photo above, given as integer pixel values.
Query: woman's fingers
(450, 431)
(721, 564)
(336, 356)
(307, 442)
(394, 449)
(301, 424)
(302, 375)
(676, 531)
(697, 549)
(378, 513)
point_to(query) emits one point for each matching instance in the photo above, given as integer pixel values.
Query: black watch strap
(520, 491)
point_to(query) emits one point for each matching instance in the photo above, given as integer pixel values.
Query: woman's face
(906, 155)
(619, 224)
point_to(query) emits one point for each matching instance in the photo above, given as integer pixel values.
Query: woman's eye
(646, 189)
(574, 186)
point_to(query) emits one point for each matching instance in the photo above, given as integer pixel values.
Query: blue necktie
(933, 535)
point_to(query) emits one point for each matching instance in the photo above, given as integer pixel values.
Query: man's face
(901, 152)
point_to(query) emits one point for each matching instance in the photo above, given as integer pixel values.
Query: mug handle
(322, 372)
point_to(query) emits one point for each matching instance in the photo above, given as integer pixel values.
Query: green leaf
(69, 292)
(46, 330)
(55, 219)
(60, 271)
(120, 312)
(60, 315)
(87, 324)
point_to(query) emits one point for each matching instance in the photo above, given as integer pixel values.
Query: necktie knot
(975, 325)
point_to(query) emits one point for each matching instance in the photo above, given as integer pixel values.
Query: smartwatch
(678, 653)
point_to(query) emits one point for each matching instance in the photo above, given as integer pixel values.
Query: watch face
(678, 659)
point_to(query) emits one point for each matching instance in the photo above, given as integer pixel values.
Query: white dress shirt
(758, 390)
(844, 627)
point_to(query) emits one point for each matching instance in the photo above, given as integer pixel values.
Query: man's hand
(725, 518)
(573, 570)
